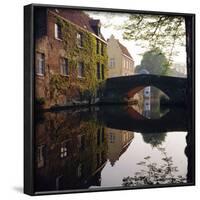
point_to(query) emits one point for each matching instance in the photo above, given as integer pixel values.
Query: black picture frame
(29, 84)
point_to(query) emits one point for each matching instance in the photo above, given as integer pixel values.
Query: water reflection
(154, 174)
(100, 146)
(118, 143)
(154, 139)
(151, 109)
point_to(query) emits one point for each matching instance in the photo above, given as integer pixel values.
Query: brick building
(70, 57)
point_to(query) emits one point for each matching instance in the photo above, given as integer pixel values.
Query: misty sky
(134, 49)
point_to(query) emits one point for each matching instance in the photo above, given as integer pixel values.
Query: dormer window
(58, 31)
(96, 26)
(79, 39)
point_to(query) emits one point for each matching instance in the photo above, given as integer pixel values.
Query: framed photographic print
(108, 99)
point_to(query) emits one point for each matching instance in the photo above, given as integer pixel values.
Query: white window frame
(64, 150)
(40, 64)
(40, 156)
(80, 75)
(56, 31)
(112, 62)
(64, 66)
(80, 170)
(79, 39)
(112, 137)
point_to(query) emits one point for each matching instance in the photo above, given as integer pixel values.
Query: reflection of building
(118, 142)
(147, 90)
(146, 97)
(120, 61)
(68, 155)
(69, 50)
(147, 108)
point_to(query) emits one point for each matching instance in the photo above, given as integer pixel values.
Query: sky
(135, 50)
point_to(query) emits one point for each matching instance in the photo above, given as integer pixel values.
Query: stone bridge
(120, 89)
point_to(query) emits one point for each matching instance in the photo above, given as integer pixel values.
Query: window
(112, 138)
(64, 68)
(97, 47)
(112, 62)
(40, 156)
(102, 49)
(127, 64)
(63, 149)
(98, 71)
(81, 142)
(40, 64)
(80, 170)
(124, 63)
(58, 31)
(79, 39)
(102, 71)
(80, 69)
(59, 182)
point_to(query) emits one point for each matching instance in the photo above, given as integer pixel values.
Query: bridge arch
(119, 88)
(137, 89)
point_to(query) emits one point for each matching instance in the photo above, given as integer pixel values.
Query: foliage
(155, 139)
(72, 86)
(79, 124)
(156, 31)
(154, 174)
(155, 62)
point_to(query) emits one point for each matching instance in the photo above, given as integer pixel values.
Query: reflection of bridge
(120, 88)
(131, 120)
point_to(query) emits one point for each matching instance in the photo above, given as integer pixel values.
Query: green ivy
(88, 85)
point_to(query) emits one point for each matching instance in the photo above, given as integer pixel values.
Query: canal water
(111, 146)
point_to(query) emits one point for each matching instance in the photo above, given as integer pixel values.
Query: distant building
(120, 60)
(178, 70)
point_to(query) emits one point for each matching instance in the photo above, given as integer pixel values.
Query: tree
(155, 62)
(156, 31)
(154, 174)
(154, 139)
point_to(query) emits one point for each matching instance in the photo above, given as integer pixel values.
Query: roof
(124, 49)
(80, 18)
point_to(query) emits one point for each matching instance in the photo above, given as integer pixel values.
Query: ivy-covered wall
(71, 89)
